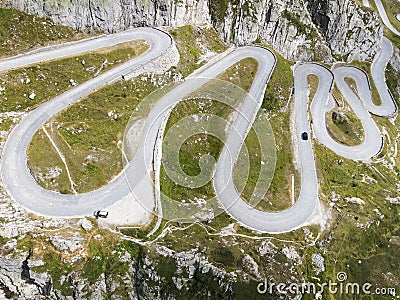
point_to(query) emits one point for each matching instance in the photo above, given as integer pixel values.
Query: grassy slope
(366, 67)
(21, 32)
(44, 160)
(53, 78)
(238, 75)
(83, 121)
(350, 131)
(276, 102)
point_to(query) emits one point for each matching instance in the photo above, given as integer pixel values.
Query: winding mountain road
(308, 201)
(14, 170)
(300, 213)
(24, 189)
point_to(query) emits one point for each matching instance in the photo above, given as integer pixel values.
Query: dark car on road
(304, 136)
(100, 214)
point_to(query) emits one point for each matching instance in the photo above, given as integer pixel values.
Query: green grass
(350, 243)
(345, 127)
(241, 74)
(392, 81)
(192, 150)
(53, 262)
(43, 161)
(6, 123)
(21, 32)
(279, 86)
(279, 89)
(366, 67)
(337, 95)
(276, 102)
(88, 136)
(252, 143)
(313, 83)
(188, 40)
(279, 195)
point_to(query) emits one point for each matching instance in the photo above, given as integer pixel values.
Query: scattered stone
(32, 96)
(318, 262)
(395, 201)
(267, 247)
(86, 224)
(355, 200)
(53, 172)
(250, 264)
(379, 214)
(67, 244)
(291, 253)
(395, 240)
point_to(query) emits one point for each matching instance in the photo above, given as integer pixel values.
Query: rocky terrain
(300, 30)
(75, 259)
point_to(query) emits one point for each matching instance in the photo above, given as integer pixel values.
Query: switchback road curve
(18, 181)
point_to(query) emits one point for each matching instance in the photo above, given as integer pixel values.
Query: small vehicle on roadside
(100, 214)
(304, 136)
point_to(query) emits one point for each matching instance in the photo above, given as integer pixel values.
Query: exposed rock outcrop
(112, 16)
(300, 30)
(17, 281)
(347, 28)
